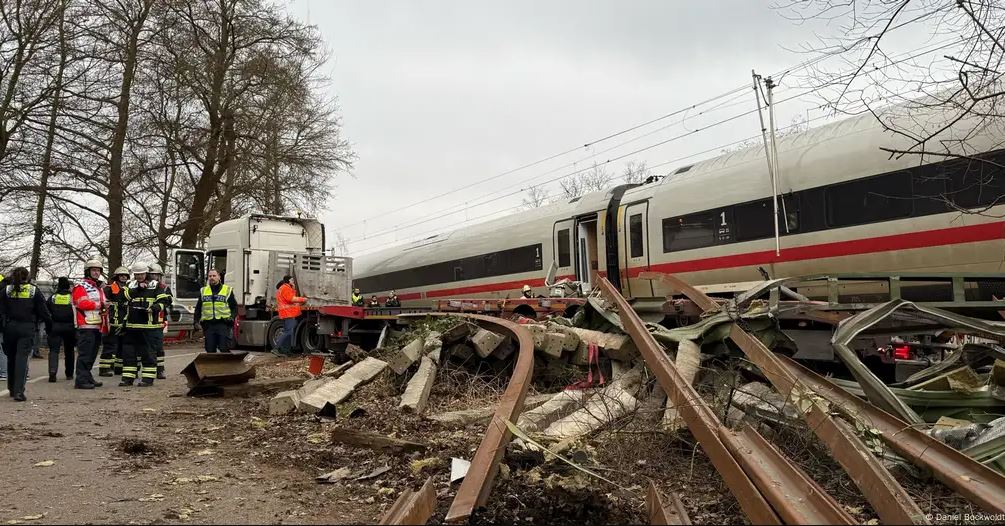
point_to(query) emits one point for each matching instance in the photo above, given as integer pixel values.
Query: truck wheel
(308, 338)
(273, 333)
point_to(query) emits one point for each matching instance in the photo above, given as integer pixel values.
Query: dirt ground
(151, 456)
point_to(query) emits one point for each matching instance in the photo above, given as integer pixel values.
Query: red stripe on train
(927, 238)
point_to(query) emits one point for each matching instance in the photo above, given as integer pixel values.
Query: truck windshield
(190, 274)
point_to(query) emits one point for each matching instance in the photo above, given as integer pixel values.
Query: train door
(587, 243)
(633, 239)
(564, 249)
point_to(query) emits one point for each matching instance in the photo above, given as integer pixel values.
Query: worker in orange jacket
(288, 304)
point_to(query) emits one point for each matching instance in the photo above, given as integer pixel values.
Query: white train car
(848, 207)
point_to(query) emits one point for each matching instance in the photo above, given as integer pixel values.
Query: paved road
(38, 371)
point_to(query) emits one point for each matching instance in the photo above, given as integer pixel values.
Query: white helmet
(121, 271)
(526, 288)
(139, 268)
(155, 269)
(93, 263)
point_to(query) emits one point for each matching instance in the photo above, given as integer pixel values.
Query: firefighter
(61, 331)
(288, 304)
(155, 275)
(215, 311)
(527, 292)
(357, 298)
(392, 300)
(22, 307)
(88, 304)
(146, 302)
(374, 303)
(111, 350)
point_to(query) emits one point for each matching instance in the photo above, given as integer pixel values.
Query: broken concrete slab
(619, 368)
(581, 356)
(557, 407)
(408, 355)
(287, 401)
(764, 403)
(688, 362)
(485, 342)
(335, 391)
(432, 342)
(374, 441)
(552, 343)
(604, 407)
(615, 346)
(504, 350)
(418, 388)
(471, 416)
(456, 333)
(461, 350)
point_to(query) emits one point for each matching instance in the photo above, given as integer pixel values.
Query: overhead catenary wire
(485, 199)
(739, 89)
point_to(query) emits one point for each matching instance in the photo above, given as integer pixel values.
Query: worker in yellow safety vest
(215, 312)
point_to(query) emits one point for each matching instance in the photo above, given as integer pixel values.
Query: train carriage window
(975, 183)
(636, 235)
(869, 200)
(753, 220)
(564, 252)
(690, 231)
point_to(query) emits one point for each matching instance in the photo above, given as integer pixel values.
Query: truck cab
(252, 254)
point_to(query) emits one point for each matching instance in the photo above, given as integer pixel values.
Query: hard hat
(155, 269)
(526, 288)
(93, 263)
(139, 268)
(122, 270)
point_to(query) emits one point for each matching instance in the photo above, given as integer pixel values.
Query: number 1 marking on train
(723, 215)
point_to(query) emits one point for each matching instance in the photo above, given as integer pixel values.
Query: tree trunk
(43, 186)
(210, 177)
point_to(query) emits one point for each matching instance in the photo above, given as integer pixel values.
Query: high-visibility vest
(60, 299)
(357, 299)
(26, 292)
(215, 306)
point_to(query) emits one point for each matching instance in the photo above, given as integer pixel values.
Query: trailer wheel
(273, 333)
(308, 338)
(526, 311)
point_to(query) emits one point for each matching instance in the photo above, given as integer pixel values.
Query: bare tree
(536, 198)
(636, 172)
(936, 100)
(595, 179)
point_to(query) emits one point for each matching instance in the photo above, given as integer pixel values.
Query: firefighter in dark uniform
(22, 307)
(392, 300)
(61, 331)
(111, 351)
(145, 304)
(155, 275)
(215, 311)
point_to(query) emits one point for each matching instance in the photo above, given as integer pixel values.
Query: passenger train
(847, 206)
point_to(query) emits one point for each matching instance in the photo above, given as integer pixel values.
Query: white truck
(252, 254)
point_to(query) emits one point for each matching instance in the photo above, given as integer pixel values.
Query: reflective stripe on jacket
(216, 306)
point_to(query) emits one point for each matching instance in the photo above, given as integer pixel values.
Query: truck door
(633, 220)
(564, 249)
(188, 274)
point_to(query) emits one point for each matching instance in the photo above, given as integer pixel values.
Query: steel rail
(477, 484)
(755, 474)
(891, 501)
(969, 478)
(659, 514)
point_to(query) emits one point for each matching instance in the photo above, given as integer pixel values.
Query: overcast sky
(440, 94)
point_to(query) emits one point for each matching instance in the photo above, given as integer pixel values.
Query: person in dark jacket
(61, 331)
(392, 300)
(215, 311)
(22, 307)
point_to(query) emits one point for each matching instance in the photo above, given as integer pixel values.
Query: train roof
(839, 151)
